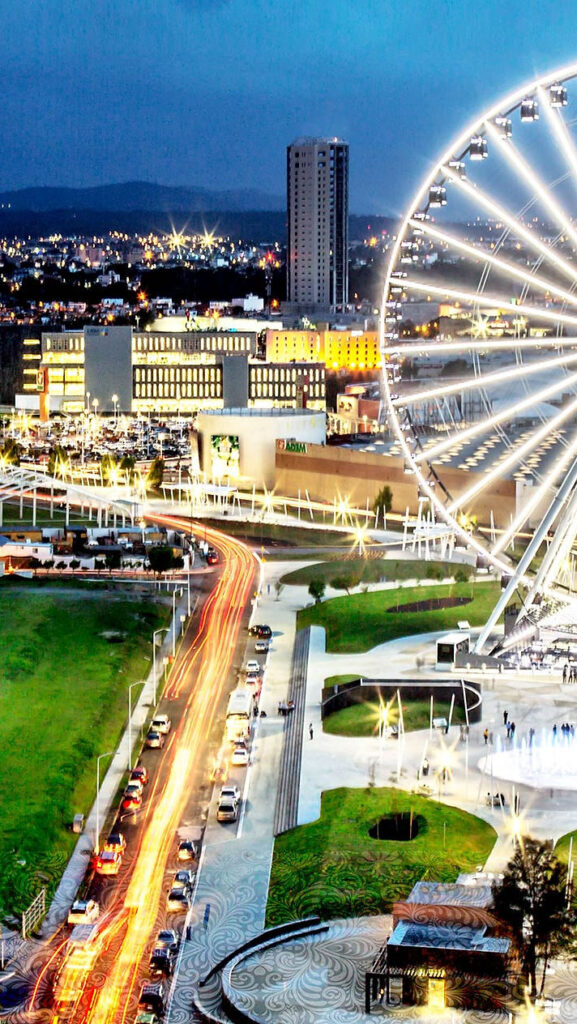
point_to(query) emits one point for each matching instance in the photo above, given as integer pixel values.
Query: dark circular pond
(399, 828)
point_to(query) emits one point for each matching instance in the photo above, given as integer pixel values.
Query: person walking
(486, 736)
(512, 732)
(311, 732)
(505, 717)
(565, 671)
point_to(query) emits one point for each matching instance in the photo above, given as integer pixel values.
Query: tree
(278, 589)
(346, 581)
(161, 558)
(127, 465)
(383, 502)
(155, 474)
(56, 461)
(317, 589)
(531, 899)
(11, 452)
(112, 560)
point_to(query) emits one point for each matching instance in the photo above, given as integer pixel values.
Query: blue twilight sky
(209, 92)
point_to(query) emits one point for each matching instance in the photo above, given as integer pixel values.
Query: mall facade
(120, 370)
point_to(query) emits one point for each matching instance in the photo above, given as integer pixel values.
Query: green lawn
(357, 623)
(371, 570)
(275, 535)
(63, 701)
(362, 719)
(334, 868)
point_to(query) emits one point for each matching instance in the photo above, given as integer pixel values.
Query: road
(196, 689)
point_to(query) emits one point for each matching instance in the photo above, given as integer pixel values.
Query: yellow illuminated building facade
(338, 350)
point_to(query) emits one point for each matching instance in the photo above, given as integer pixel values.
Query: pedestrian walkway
(286, 813)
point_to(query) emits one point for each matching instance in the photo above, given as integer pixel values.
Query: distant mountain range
(139, 196)
(140, 207)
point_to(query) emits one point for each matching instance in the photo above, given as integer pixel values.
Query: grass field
(357, 623)
(63, 701)
(371, 570)
(272, 534)
(332, 866)
(362, 719)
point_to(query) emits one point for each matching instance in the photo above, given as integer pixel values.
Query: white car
(161, 723)
(83, 912)
(239, 757)
(252, 667)
(261, 646)
(229, 793)
(227, 810)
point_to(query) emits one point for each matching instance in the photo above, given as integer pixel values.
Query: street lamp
(174, 589)
(163, 629)
(115, 404)
(137, 683)
(109, 753)
(95, 404)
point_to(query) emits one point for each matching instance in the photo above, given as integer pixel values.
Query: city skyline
(163, 92)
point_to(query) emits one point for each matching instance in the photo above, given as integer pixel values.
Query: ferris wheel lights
(529, 110)
(478, 149)
(437, 195)
(558, 95)
(504, 126)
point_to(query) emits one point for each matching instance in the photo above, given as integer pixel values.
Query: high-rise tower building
(318, 223)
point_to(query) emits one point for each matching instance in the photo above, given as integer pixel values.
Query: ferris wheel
(479, 331)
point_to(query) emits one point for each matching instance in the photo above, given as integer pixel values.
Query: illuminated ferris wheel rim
(480, 127)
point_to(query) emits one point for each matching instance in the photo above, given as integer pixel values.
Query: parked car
(240, 756)
(83, 912)
(146, 1017)
(261, 631)
(152, 999)
(187, 850)
(131, 801)
(212, 558)
(261, 646)
(252, 667)
(154, 740)
(227, 809)
(161, 962)
(255, 682)
(140, 772)
(116, 842)
(108, 863)
(134, 786)
(231, 792)
(167, 938)
(185, 878)
(178, 899)
(161, 723)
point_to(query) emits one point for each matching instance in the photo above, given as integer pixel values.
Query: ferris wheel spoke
(516, 456)
(433, 347)
(556, 122)
(482, 256)
(550, 479)
(518, 229)
(507, 373)
(486, 426)
(520, 166)
(490, 301)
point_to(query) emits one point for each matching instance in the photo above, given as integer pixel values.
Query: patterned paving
(233, 885)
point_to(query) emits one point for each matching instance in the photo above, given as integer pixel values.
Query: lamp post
(174, 589)
(137, 683)
(115, 404)
(163, 629)
(109, 753)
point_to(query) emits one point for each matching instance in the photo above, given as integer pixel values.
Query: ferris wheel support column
(564, 536)
(530, 552)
